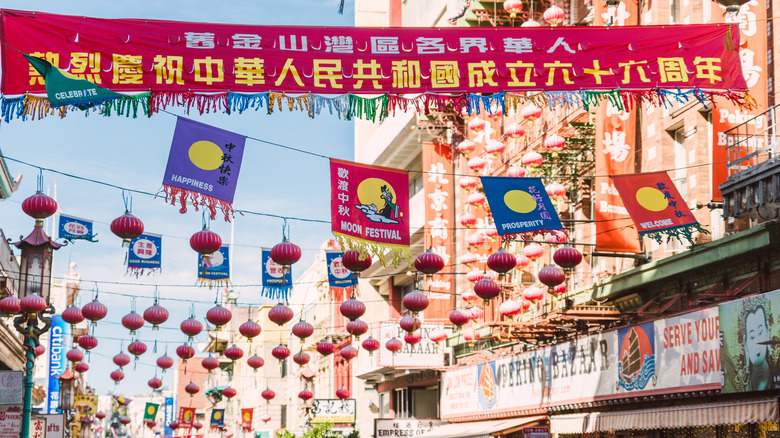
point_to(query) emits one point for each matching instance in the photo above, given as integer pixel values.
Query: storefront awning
(479, 429)
(711, 414)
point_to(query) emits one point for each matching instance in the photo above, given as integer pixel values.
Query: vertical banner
(203, 167)
(614, 150)
(145, 254)
(119, 409)
(74, 228)
(751, 22)
(520, 205)
(246, 418)
(750, 351)
(168, 416)
(85, 407)
(369, 209)
(277, 281)
(217, 418)
(150, 411)
(338, 275)
(186, 417)
(216, 272)
(437, 186)
(59, 339)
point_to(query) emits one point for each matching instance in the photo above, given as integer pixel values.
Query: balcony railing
(752, 144)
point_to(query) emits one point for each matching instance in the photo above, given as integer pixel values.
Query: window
(425, 403)
(401, 403)
(283, 416)
(675, 12)
(284, 367)
(680, 178)
(415, 183)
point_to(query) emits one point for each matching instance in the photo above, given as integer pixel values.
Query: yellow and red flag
(656, 207)
(246, 418)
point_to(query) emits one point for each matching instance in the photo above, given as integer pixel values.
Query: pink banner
(136, 55)
(369, 208)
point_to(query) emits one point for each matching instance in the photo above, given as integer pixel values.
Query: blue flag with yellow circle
(217, 418)
(520, 205)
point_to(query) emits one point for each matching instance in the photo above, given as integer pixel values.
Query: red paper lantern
(458, 317)
(229, 392)
(469, 297)
(121, 360)
(136, 348)
(39, 350)
(356, 261)
(348, 352)
(88, 342)
(74, 355)
(466, 147)
(39, 206)
(81, 367)
(531, 112)
(413, 338)
(429, 263)
(567, 257)
(551, 276)
(475, 313)
(117, 376)
(437, 335)
(514, 7)
(325, 348)
(468, 220)
(515, 172)
(218, 316)
(209, 363)
(468, 258)
(533, 293)
(197, 425)
(72, 315)
(477, 124)
(280, 314)
(164, 362)
(173, 425)
(205, 242)
(285, 253)
(185, 351)
(342, 393)
(32, 304)
(475, 239)
(94, 311)
(477, 163)
(156, 315)
(533, 251)
(554, 15)
(509, 308)
(522, 260)
(559, 289)
(501, 261)
(487, 289)
(514, 130)
(191, 389)
(305, 395)
(301, 358)
(268, 394)
(409, 323)
(467, 182)
(302, 330)
(280, 352)
(555, 190)
(233, 353)
(370, 345)
(150, 424)
(357, 328)
(133, 321)
(495, 147)
(100, 415)
(127, 227)
(531, 23)
(532, 159)
(154, 383)
(10, 306)
(415, 302)
(191, 327)
(266, 418)
(352, 309)
(554, 143)
(250, 329)
(471, 335)
(394, 345)
(124, 420)
(255, 362)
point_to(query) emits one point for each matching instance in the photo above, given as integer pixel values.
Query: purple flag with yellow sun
(520, 205)
(203, 167)
(656, 207)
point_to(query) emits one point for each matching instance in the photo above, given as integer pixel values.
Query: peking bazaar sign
(131, 55)
(675, 354)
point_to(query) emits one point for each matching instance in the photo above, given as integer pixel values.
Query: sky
(132, 153)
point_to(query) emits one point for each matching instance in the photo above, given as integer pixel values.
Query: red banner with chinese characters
(437, 188)
(186, 417)
(139, 55)
(246, 418)
(655, 205)
(369, 209)
(751, 22)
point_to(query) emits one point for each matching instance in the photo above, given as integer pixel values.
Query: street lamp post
(34, 289)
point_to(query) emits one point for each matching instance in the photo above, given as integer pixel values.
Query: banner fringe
(383, 251)
(680, 232)
(277, 293)
(197, 200)
(222, 282)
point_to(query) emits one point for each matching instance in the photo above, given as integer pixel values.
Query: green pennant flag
(63, 88)
(150, 412)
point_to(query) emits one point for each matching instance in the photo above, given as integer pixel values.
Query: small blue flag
(74, 228)
(145, 253)
(217, 418)
(520, 205)
(217, 269)
(338, 275)
(277, 280)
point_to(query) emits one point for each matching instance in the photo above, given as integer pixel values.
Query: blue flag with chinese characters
(520, 205)
(338, 275)
(203, 167)
(277, 279)
(145, 254)
(217, 418)
(217, 270)
(73, 228)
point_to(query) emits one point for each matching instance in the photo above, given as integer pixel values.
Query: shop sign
(636, 364)
(38, 427)
(688, 349)
(426, 353)
(11, 387)
(10, 421)
(405, 427)
(750, 352)
(333, 411)
(536, 432)
(55, 425)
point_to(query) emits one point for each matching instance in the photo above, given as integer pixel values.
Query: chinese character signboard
(169, 413)
(425, 353)
(520, 205)
(370, 209)
(277, 281)
(38, 427)
(55, 425)
(338, 275)
(74, 228)
(59, 338)
(145, 253)
(437, 188)
(404, 427)
(333, 411)
(143, 55)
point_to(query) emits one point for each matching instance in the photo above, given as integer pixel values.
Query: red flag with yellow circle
(656, 207)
